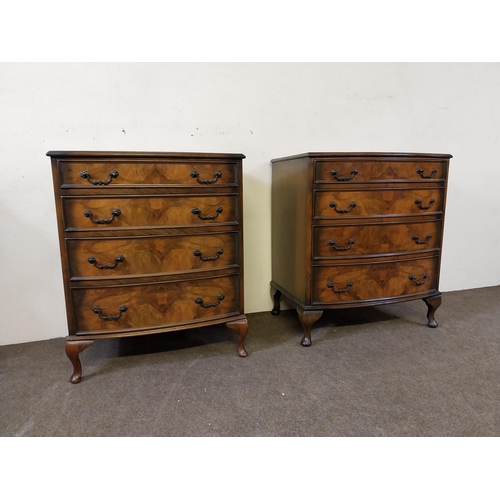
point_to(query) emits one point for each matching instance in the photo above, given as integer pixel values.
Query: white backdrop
(264, 110)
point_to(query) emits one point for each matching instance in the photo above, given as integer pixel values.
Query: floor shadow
(339, 320)
(173, 341)
(355, 316)
(105, 354)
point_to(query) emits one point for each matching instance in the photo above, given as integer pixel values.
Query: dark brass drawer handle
(112, 175)
(421, 242)
(351, 206)
(98, 311)
(197, 211)
(421, 173)
(199, 301)
(116, 212)
(332, 286)
(93, 260)
(341, 249)
(342, 179)
(197, 253)
(195, 175)
(412, 278)
(424, 207)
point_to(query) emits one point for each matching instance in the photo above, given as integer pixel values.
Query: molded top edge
(141, 154)
(364, 155)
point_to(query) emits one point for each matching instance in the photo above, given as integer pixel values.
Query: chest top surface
(375, 155)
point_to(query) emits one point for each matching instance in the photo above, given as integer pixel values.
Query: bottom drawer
(348, 283)
(154, 305)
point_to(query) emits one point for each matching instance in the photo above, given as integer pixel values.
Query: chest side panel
(291, 217)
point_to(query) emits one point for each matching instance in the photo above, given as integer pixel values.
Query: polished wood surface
(351, 172)
(73, 350)
(154, 305)
(331, 242)
(291, 227)
(142, 211)
(190, 173)
(377, 202)
(150, 243)
(357, 229)
(241, 327)
(361, 282)
(134, 256)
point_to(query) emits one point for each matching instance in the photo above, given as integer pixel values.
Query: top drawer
(89, 174)
(342, 171)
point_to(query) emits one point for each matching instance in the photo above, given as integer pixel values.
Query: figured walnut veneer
(91, 257)
(175, 172)
(150, 243)
(158, 210)
(375, 238)
(357, 229)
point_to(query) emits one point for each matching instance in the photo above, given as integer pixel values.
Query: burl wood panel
(116, 173)
(345, 172)
(141, 211)
(154, 305)
(151, 254)
(359, 282)
(372, 239)
(345, 204)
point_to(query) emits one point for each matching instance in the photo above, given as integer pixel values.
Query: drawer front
(154, 305)
(348, 283)
(119, 257)
(333, 242)
(344, 172)
(121, 212)
(346, 204)
(89, 174)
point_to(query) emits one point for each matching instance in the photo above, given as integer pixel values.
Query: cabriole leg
(308, 318)
(432, 304)
(241, 326)
(276, 308)
(73, 349)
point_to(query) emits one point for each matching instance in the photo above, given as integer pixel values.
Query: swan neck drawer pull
(197, 211)
(424, 207)
(332, 286)
(199, 301)
(342, 179)
(197, 253)
(418, 283)
(195, 175)
(98, 311)
(416, 239)
(112, 175)
(93, 260)
(342, 211)
(116, 212)
(420, 172)
(341, 249)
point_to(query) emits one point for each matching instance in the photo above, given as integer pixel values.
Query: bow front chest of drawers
(150, 243)
(357, 229)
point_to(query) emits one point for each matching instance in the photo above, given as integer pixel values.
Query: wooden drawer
(120, 257)
(154, 305)
(343, 172)
(358, 282)
(138, 211)
(377, 202)
(334, 242)
(87, 174)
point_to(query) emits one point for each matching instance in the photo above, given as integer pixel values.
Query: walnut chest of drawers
(150, 243)
(357, 229)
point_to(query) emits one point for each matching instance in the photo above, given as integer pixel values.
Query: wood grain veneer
(357, 229)
(150, 243)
